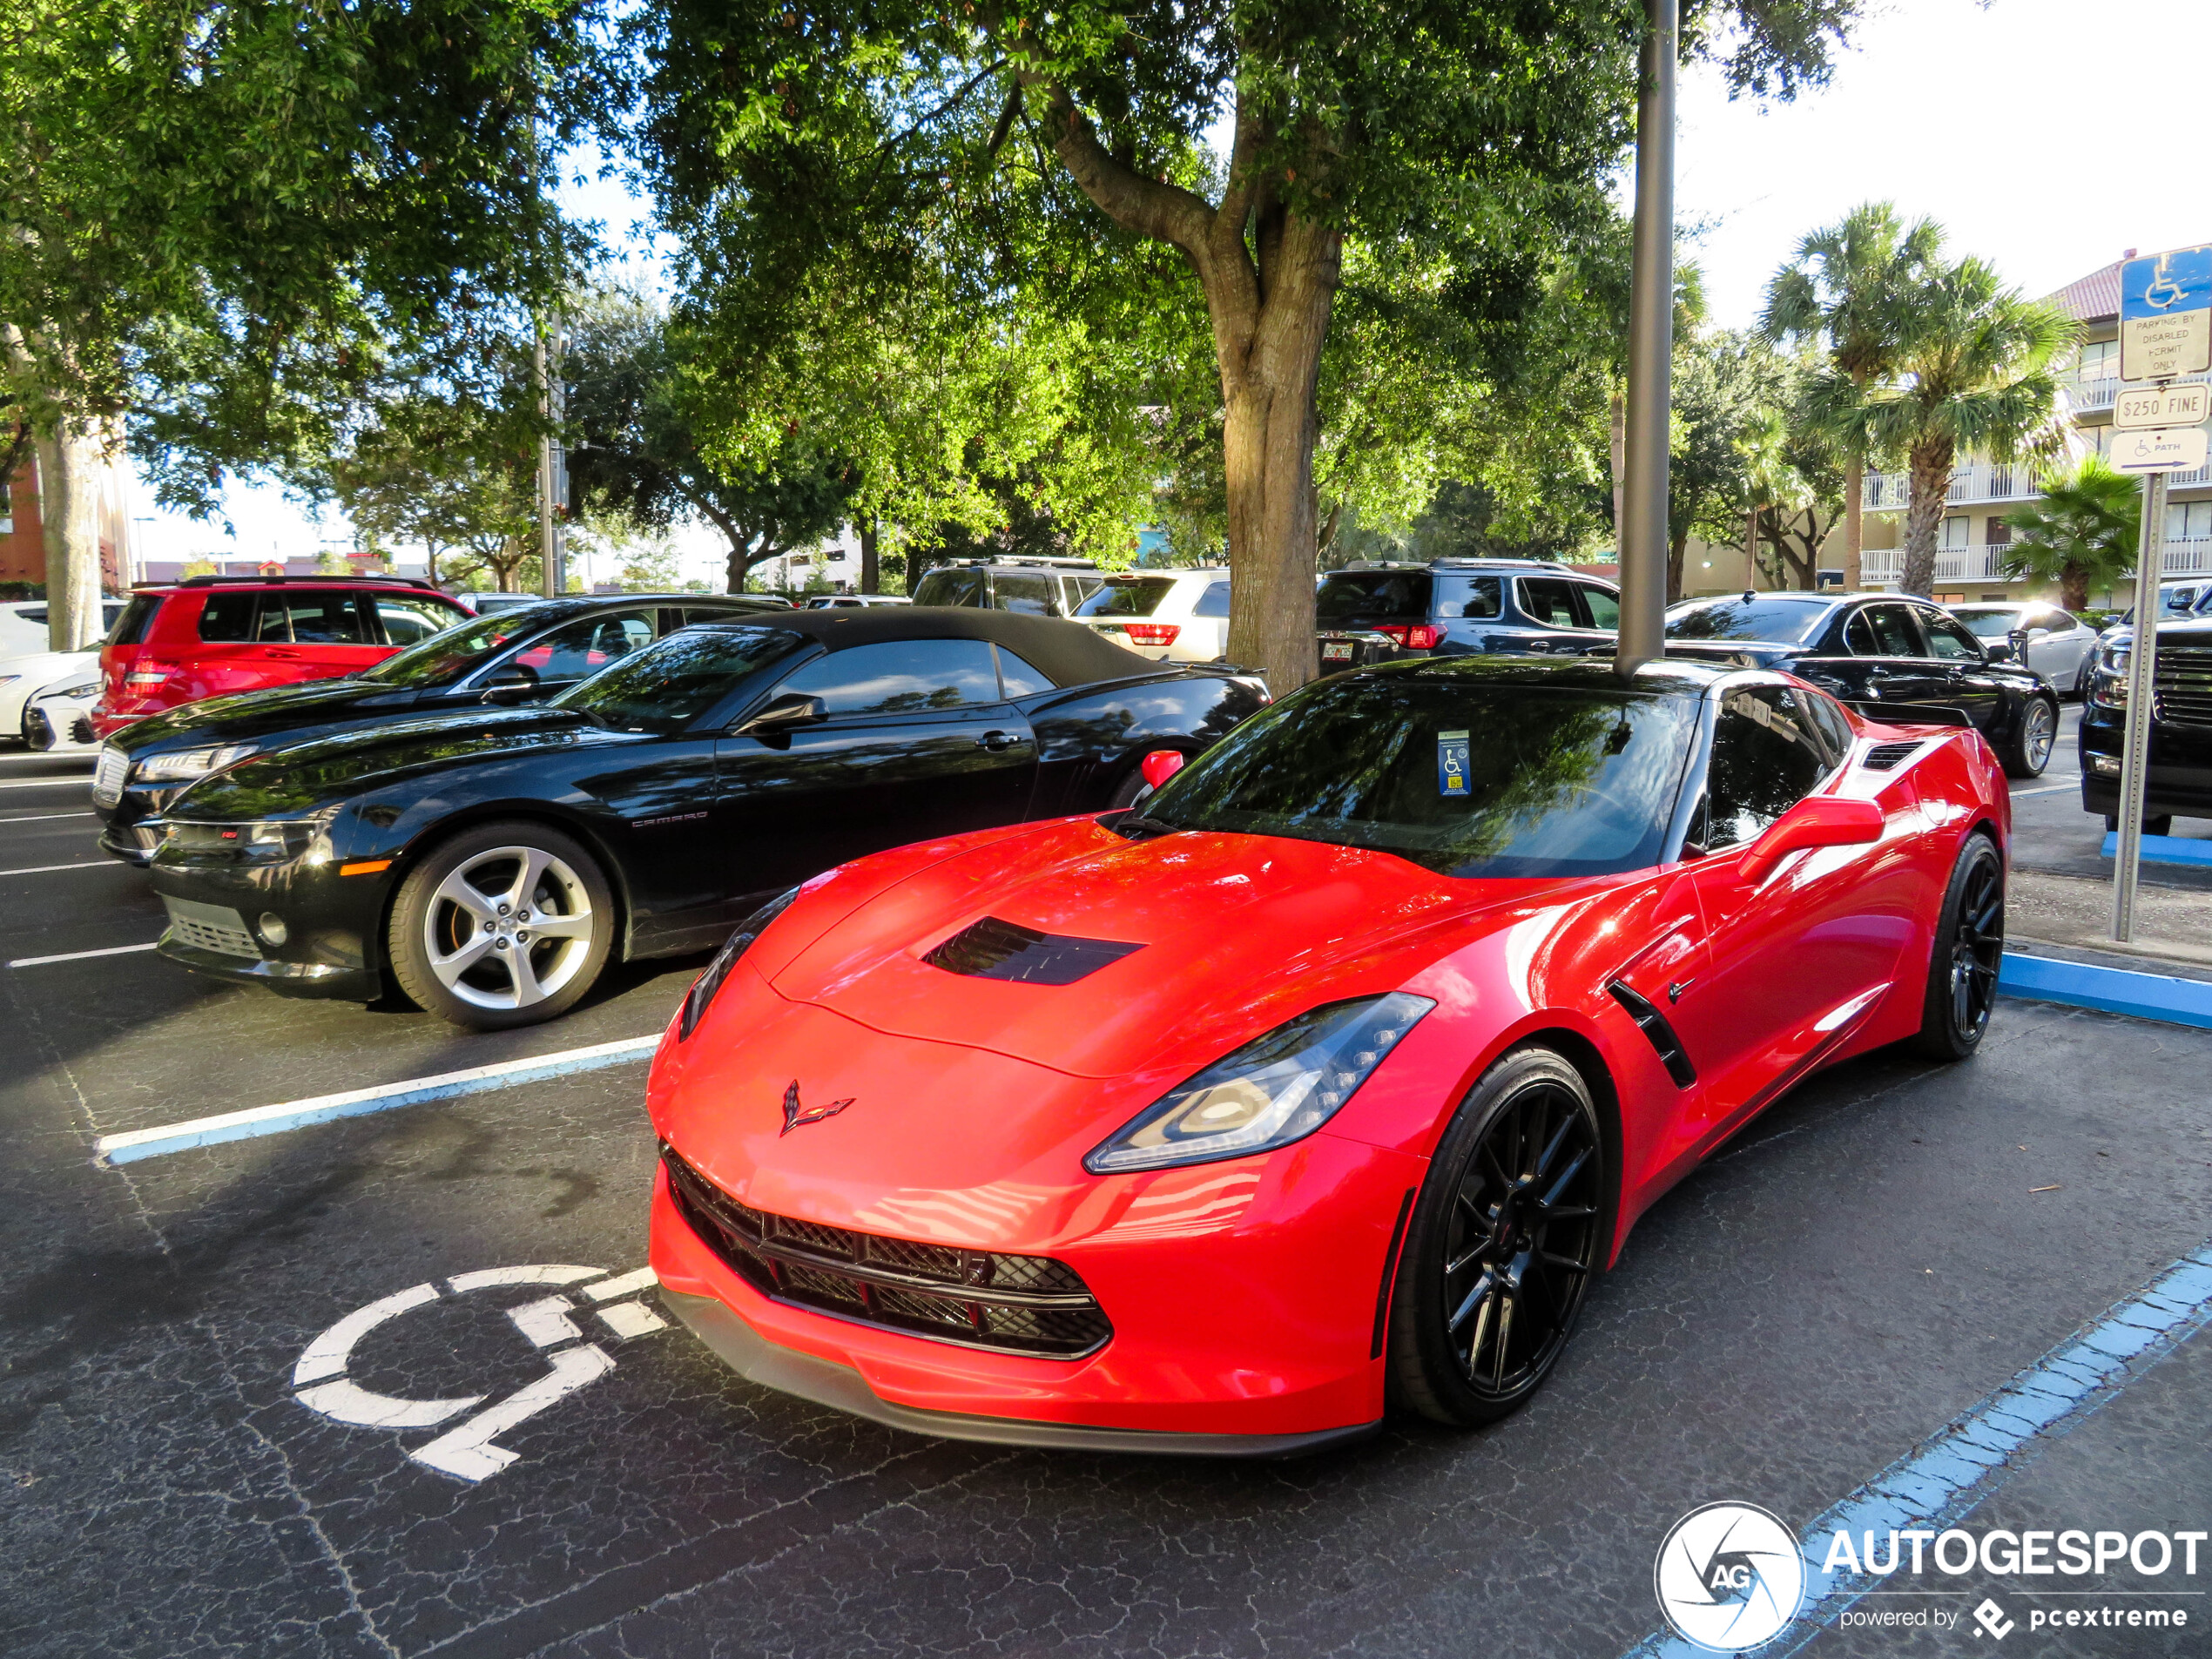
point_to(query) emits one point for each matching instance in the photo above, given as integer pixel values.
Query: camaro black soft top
(1067, 653)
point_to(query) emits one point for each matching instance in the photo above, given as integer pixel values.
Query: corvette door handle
(995, 741)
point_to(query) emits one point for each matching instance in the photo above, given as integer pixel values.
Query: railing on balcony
(2192, 557)
(2087, 395)
(1891, 492)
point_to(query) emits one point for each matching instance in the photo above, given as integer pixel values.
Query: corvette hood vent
(995, 949)
(1887, 757)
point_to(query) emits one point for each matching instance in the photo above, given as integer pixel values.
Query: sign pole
(1643, 637)
(2142, 664)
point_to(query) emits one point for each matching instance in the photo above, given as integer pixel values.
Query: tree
(1974, 372)
(458, 479)
(1842, 292)
(2085, 532)
(1483, 134)
(218, 216)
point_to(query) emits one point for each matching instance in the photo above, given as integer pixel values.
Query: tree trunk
(1930, 465)
(1620, 461)
(871, 564)
(1676, 546)
(1854, 523)
(2074, 587)
(70, 464)
(1751, 550)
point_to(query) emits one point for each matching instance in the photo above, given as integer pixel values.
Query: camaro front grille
(2184, 684)
(207, 926)
(1028, 1305)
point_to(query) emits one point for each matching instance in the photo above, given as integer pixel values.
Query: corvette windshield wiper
(1136, 826)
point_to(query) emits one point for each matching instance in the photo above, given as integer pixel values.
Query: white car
(23, 632)
(2060, 646)
(1170, 616)
(60, 718)
(23, 677)
(843, 601)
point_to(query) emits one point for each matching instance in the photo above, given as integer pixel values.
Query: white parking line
(320, 1108)
(48, 756)
(78, 955)
(73, 780)
(2047, 789)
(41, 818)
(47, 869)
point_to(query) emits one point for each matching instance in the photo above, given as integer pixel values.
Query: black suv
(519, 654)
(2180, 781)
(1894, 658)
(1027, 587)
(1376, 613)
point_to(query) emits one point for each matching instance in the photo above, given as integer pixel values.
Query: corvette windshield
(665, 687)
(1461, 778)
(446, 657)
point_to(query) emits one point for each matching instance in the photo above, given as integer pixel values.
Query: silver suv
(1031, 587)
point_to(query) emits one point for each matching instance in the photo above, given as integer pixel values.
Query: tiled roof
(2093, 298)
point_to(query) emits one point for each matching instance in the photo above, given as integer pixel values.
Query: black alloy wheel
(2035, 736)
(1508, 1230)
(1969, 949)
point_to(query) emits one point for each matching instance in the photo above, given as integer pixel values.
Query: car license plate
(1337, 650)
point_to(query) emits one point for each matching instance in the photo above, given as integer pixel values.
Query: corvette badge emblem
(797, 1117)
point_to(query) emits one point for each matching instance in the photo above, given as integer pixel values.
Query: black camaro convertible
(489, 862)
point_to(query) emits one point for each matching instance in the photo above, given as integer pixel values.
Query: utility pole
(1651, 342)
(552, 464)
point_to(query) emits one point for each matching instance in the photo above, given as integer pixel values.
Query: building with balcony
(1975, 531)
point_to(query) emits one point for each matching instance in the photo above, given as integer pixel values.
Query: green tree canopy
(2086, 531)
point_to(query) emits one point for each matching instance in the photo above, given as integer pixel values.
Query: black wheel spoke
(1566, 1263)
(1551, 1147)
(1566, 1175)
(1482, 1287)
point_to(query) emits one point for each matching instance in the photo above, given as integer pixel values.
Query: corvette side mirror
(1823, 821)
(1160, 766)
(785, 715)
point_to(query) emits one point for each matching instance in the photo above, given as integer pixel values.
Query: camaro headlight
(1277, 1089)
(704, 987)
(276, 840)
(181, 763)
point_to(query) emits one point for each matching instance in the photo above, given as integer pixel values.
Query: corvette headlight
(181, 764)
(704, 987)
(1277, 1089)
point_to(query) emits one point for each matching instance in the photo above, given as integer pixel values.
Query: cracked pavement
(1866, 1261)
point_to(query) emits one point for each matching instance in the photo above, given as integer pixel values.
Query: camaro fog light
(1277, 1089)
(704, 987)
(272, 928)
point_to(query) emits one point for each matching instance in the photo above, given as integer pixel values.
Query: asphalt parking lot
(1883, 1249)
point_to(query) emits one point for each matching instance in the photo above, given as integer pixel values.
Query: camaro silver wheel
(508, 927)
(2043, 733)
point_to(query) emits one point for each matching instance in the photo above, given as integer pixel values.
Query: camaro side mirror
(786, 714)
(1823, 821)
(1160, 766)
(511, 685)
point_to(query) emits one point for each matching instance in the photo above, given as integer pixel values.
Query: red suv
(211, 635)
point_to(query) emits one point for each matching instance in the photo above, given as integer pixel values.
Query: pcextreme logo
(1729, 1577)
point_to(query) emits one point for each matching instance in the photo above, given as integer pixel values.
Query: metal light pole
(551, 465)
(2142, 664)
(1651, 342)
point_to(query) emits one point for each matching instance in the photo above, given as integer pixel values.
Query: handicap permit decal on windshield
(1451, 763)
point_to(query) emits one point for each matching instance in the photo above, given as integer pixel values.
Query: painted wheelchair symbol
(467, 1450)
(2162, 284)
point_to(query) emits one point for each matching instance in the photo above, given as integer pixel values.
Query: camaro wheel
(1969, 946)
(2030, 750)
(1505, 1237)
(504, 924)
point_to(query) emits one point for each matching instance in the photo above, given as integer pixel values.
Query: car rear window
(950, 588)
(1026, 595)
(1777, 620)
(1477, 597)
(1213, 604)
(1130, 595)
(227, 618)
(138, 615)
(1385, 596)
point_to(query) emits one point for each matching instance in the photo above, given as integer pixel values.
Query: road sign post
(2142, 668)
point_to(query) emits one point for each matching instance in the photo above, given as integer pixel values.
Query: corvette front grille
(1028, 1305)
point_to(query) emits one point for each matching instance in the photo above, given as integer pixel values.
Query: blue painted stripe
(322, 1108)
(2116, 991)
(1949, 1473)
(2165, 849)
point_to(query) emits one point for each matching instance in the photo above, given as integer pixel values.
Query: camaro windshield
(1789, 622)
(446, 657)
(1462, 777)
(665, 687)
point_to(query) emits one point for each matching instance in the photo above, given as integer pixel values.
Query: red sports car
(1323, 1081)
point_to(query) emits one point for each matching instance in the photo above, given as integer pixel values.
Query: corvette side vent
(995, 949)
(1887, 757)
(1654, 1026)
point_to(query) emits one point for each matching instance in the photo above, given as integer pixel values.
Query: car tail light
(1416, 636)
(143, 676)
(1152, 633)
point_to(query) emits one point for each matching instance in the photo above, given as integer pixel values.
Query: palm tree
(1973, 373)
(1839, 293)
(2083, 532)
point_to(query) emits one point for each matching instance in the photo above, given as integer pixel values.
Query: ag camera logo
(1729, 1577)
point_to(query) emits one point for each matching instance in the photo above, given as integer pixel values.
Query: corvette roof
(1066, 652)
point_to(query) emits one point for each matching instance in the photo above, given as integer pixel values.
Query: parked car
(485, 604)
(1170, 616)
(23, 677)
(855, 601)
(1027, 587)
(2179, 782)
(24, 629)
(489, 863)
(2060, 646)
(60, 717)
(1383, 612)
(520, 654)
(1891, 656)
(210, 635)
(1327, 1082)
